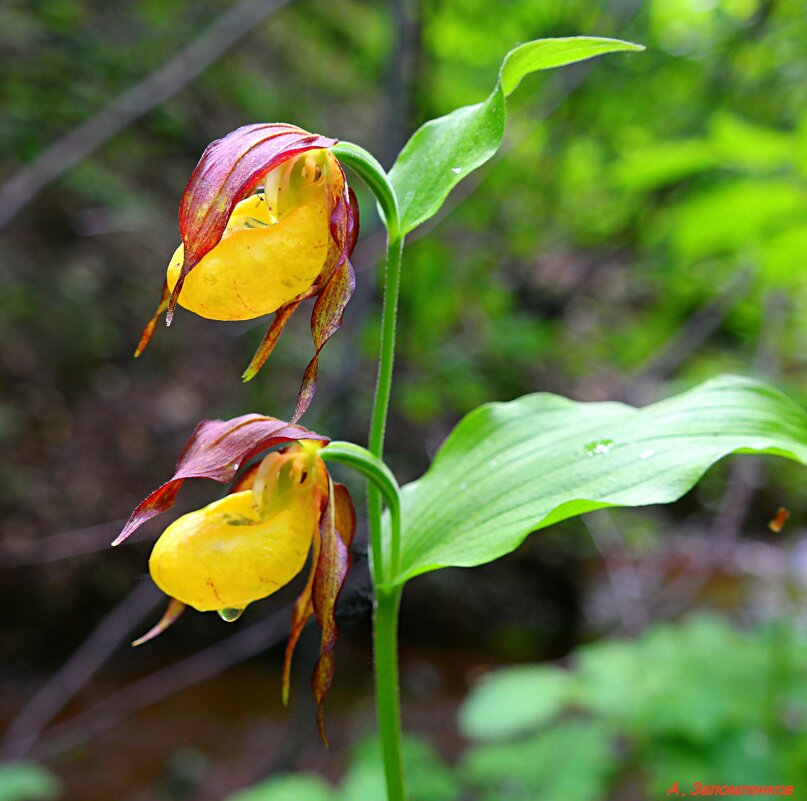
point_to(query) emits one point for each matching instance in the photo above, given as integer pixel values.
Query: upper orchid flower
(255, 540)
(267, 220)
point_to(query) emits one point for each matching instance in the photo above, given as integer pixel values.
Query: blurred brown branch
(163, 683)
(64, 545)
(624, 579)
(690, 337)
(65, 684)
(191, 61)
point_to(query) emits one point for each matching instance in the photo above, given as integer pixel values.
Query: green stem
(378, 423)
(385, 571)
(388, 703)
(385, 619)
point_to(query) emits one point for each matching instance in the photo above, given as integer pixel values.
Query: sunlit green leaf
(733, 216)
(510, 468)
(444, 150)
(744, 144)
(657, 165)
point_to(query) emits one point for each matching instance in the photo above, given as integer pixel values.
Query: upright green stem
(378, 422)
(387, 598)
(386, 566)
(388, 704)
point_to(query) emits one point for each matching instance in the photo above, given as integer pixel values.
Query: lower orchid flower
(256, 539)
(267, 220)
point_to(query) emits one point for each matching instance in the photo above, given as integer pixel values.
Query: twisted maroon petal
(337, 526)
(216, 450)
(340, 281)
(231, 168)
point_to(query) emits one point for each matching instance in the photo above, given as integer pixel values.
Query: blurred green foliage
(27, 781)
(428, 779)
(699, 701)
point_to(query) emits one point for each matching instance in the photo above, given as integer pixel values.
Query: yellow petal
(223, 556)
(261, 263)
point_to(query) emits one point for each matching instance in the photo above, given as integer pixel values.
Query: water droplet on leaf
(646, 454)
(456, 170)
(230, 615)
(598, 447)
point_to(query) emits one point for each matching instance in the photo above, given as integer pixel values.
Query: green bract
(443, 151)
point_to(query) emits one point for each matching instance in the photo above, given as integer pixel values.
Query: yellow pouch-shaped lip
(260, 264)
(223, 556)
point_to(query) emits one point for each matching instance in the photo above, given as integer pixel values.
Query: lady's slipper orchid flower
(267, 220)
(255, 540)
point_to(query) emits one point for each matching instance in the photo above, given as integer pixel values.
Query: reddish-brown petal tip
(332, 567)
(172, 613)
(148, 331)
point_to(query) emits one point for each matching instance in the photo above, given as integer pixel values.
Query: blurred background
(643, 228)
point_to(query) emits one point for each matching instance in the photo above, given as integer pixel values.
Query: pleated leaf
(509, 469)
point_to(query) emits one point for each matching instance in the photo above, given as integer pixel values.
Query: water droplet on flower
(236, 466)
(456, 170)
(230, 615)
(598, 447)
(646, 454)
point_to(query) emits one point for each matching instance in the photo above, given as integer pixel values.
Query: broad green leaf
(514, 701)
(27, 781)
(511, 468)
(444, 150)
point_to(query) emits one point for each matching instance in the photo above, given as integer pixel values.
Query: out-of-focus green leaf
(513, 701)
(783, 258)
(737, 758)
(654, 166)
(747, 145)
(293, 787)
(27, 781)
(445, 150)
(510, 468)
(735, 216)
(569, 761)
(427, 778)
(615, 680)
